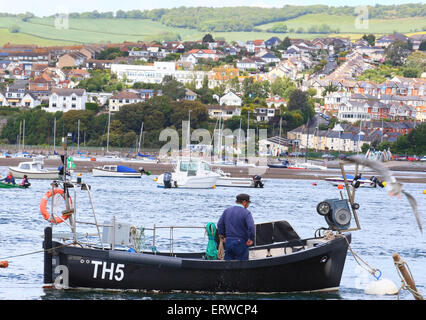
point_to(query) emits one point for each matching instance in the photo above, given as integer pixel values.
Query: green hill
(232, 23)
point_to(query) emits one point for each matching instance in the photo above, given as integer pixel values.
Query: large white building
(67, 99)
(156, 72)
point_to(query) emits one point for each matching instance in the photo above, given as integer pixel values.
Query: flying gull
(395, 188)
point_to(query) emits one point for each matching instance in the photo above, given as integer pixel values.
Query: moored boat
(34, 170)
(225, 180)
(116, 171)
(191, 173)
(363, 182)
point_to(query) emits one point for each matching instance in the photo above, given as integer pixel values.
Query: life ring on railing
(43, 206)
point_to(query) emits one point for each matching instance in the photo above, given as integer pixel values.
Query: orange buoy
(4, 264)
(314, 184)
(340, 187)
(43, 206)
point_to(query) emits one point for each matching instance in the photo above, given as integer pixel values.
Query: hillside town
(327, 69)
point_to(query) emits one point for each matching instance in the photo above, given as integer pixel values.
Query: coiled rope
(404, 284)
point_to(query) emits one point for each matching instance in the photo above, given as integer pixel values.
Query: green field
(42, 31)
(346, 24)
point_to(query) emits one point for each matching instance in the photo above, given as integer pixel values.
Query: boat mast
(54, 135)
(19, 136)
(239, 142)
(109, 123)
(23, 136)
(78, 135)
(140, 138)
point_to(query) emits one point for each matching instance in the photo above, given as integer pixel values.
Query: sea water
(387, 226)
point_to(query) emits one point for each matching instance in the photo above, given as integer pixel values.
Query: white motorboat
(306, 166)
(116, 171)
(34, 170)
(189, 173)
(225, 180)
(363, 182)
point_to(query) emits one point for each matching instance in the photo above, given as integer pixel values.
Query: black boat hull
(315, 269)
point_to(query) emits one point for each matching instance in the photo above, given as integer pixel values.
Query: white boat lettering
(118, 274)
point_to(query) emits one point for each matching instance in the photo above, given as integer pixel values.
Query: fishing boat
(225, 180)
(189, 173)
(34, 170)
(114, 256)
(363, 182)
(116, 171)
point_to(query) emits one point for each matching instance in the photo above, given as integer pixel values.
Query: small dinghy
(4, 185)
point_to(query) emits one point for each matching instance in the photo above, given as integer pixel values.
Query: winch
(336, 212)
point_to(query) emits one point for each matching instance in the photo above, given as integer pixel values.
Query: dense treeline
(208, 19)
(157, 114)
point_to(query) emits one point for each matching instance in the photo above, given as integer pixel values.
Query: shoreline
(404, 172)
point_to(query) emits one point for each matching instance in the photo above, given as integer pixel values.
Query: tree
(397, 52)
(208, 38)
(173, 88)
(422, 46)
(299, 100)
(371, 39)
(285, 44)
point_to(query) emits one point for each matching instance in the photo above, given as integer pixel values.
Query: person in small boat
(10, 179)
(25, 182)
(236, 225)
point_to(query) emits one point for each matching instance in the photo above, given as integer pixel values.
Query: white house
(353, 111)
(230, 99)
(155, 73)
(67, 99)
(18, 98)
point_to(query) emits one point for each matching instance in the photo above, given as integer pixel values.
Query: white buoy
(381, 287)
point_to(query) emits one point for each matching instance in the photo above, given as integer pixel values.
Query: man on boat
(10, 179)
(237, 226)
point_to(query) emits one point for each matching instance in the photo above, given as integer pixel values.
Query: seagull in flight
(395, 188)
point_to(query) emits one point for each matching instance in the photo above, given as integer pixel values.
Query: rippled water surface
(387, 226)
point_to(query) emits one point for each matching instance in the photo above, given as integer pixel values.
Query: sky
(50, 7)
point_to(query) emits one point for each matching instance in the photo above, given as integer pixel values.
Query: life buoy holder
(43, 206)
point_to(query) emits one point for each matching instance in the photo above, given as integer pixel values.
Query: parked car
(328, 156)
(399, 158)
(422, 159)
(342, 156)
(297, 154)
(413, 158)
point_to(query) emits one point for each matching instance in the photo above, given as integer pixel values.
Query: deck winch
(336, 212)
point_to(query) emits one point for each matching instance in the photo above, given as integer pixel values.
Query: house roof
(68, 92)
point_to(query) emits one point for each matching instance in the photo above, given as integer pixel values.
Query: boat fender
(43, 206)
(381, 287)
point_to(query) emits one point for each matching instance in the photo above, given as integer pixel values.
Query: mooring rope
(404, 285)
(35, 252)
(329, 235)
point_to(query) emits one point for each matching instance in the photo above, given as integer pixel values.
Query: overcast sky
(49, 7)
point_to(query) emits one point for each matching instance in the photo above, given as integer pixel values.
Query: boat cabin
(191, 167)
(33, 166)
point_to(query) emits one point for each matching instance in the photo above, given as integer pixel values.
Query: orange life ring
(43, 206)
